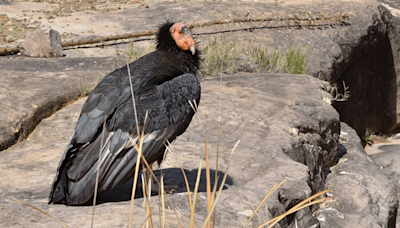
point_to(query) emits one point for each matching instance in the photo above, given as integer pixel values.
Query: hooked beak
(193, 49)
(183, 37)
(189, 39)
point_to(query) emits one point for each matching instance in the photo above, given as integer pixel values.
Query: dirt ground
(18, 18)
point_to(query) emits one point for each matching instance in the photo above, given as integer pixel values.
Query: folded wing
(169, 114)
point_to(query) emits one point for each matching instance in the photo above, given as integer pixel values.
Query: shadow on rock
(172, 177)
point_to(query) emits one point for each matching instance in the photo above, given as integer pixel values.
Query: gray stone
(365, 195)
(389, 163)
(43, 43)
(33, 89)
(386, 155)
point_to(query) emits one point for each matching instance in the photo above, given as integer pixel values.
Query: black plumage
(163, 83)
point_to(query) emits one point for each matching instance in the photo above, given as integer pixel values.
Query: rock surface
(386, 155)
(368, 70)
(33, 89)
(365, 195)
(271, 130)
(283, 132)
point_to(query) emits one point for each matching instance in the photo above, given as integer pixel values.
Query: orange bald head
(183, 37)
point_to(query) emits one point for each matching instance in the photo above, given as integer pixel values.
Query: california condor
(164, 82)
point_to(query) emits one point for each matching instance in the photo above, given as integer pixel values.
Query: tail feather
(59, 186)
(58, 192)
(76, 176)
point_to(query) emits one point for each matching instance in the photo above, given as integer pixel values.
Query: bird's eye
(180, 31)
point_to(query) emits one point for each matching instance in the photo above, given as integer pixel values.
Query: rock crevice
(369, 72)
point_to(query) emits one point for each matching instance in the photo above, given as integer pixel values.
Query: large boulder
(386, 155)
(390, 11)
(365, 195)
(33, 89)
(286, 127)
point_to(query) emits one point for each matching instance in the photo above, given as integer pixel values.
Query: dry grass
(339, 96)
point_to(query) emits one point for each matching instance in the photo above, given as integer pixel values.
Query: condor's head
(176, 36)
(177, 39)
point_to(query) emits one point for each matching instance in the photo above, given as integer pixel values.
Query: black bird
(163, 83)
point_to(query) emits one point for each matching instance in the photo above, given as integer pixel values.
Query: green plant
(295, 61)
(287, 61)
(84, 87)
(369, 140)
(220, 55)
(134, 53)
(227, 56)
